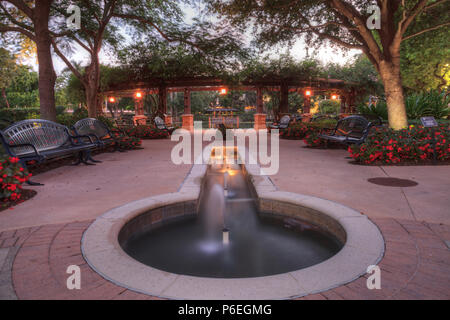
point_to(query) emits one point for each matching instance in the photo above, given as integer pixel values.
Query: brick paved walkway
(41, 237)
(416, 264)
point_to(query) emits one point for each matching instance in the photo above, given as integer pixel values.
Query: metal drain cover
(392, 182)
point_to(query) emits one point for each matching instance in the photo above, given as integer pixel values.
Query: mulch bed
(25, 195)
(427, 162)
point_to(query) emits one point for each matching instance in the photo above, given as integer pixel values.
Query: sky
(299, 49)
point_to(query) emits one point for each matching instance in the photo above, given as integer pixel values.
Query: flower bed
(412, 145)
(146, 132)
(295, 132)
(126, 142)
(12, 177)
(299, 131)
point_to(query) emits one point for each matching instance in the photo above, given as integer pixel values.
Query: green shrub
(329, 106)
(60, 110)
(380, 110)
(126, 142)
(431, 103)
(107, 121)
(65, 119)
(33, 115)
(301, 130)
(18, 114)
(146, 132)
(80, 113)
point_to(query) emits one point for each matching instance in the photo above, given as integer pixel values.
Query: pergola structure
(137, 89)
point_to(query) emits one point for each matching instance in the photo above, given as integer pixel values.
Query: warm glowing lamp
(112, 100)
(334, 97)
(308, 93)
(223, 91)
(138, 95)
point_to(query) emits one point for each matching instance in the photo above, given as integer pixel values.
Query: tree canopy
(345, 23)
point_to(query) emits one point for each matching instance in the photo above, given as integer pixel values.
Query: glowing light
(334, 96)
(308, 93)
(223, 91)
(138, 95)
(112, 100)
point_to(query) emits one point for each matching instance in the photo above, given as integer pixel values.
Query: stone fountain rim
(100, 246)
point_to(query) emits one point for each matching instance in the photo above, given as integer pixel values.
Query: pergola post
(260, 116)
(307, 104)
(187, 117)
(284, 100)
(139, 116)
(162, 92)
(352, 101)
(343, 103)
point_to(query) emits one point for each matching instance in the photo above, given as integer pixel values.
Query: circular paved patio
(41, 237)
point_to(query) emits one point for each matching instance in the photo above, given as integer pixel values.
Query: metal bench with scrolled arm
(161, 125)
(98, 131)
(350, 130)
(43, 140)
(283, 124)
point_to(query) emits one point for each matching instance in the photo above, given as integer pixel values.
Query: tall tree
(101, 20)
(154, 20)
(31, 19)
(94, 31)
(7, 68)
(425, 59)
(344, 23)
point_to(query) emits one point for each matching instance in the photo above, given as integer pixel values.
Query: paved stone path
(416, 265)
(40, 238)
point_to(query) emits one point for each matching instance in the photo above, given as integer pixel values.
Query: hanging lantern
(138, 95)
(334, 97)
(112, 100)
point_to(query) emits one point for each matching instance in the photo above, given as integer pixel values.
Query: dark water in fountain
(258, 247)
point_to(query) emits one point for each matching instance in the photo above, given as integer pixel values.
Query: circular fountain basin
(104, 246)
(255, 248)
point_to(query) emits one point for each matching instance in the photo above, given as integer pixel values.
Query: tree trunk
(47, 75)
(5, 97)
(393, 89)
(93, 83)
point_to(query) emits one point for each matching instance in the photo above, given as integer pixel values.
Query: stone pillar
(187, 117)
(260, 116)
(260, 121)
(139, 117)
(188, 121)
(168, 120)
